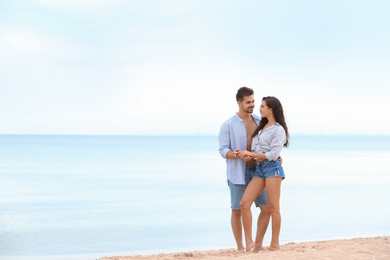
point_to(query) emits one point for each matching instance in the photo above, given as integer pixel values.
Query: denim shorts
(237, 190)
(266, 169)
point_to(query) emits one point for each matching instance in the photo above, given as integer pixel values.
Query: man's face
(247, 104)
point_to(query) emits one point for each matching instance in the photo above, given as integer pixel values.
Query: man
(236, 133)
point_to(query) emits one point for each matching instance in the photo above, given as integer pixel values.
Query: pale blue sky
(174, 66)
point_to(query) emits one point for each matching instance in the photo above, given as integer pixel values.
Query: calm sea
(85, 197)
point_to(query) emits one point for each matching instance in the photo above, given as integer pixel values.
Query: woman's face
(265, 111)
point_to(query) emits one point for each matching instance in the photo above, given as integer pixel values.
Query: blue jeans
(266, 169)
(237, 190)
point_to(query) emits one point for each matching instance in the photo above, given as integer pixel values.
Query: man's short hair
(243, 92)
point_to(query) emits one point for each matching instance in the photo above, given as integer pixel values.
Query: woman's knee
(244, 204)
(273, 208)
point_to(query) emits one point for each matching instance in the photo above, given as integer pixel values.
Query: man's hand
(280, 159)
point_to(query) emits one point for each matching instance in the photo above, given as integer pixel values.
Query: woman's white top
(270, 141)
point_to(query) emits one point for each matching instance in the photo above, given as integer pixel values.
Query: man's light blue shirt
(232, 136)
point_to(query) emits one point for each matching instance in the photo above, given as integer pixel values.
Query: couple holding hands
(251, 146)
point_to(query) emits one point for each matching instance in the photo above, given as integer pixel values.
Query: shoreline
(375, 247)
(355, 248)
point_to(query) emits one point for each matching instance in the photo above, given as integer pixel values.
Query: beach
(356, 248)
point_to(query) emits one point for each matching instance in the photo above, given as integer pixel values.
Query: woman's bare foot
(256, 249)
(274, 248)
(250, 246)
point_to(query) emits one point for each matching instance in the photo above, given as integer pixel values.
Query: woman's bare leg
(262, 225)
(255, 187)
(273, 193)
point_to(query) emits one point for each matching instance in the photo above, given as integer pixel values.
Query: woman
(268, 141)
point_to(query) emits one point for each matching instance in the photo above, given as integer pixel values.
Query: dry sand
(357, 248)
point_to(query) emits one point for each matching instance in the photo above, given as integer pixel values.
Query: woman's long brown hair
(277, 109)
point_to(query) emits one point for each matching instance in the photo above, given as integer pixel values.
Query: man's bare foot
(240, 250)
(250, 246)
(256, 249)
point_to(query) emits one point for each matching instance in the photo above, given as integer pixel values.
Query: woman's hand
(243, 153)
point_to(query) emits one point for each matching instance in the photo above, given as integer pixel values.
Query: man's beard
(249, 110)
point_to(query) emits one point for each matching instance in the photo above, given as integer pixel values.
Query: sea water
(85, 197)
